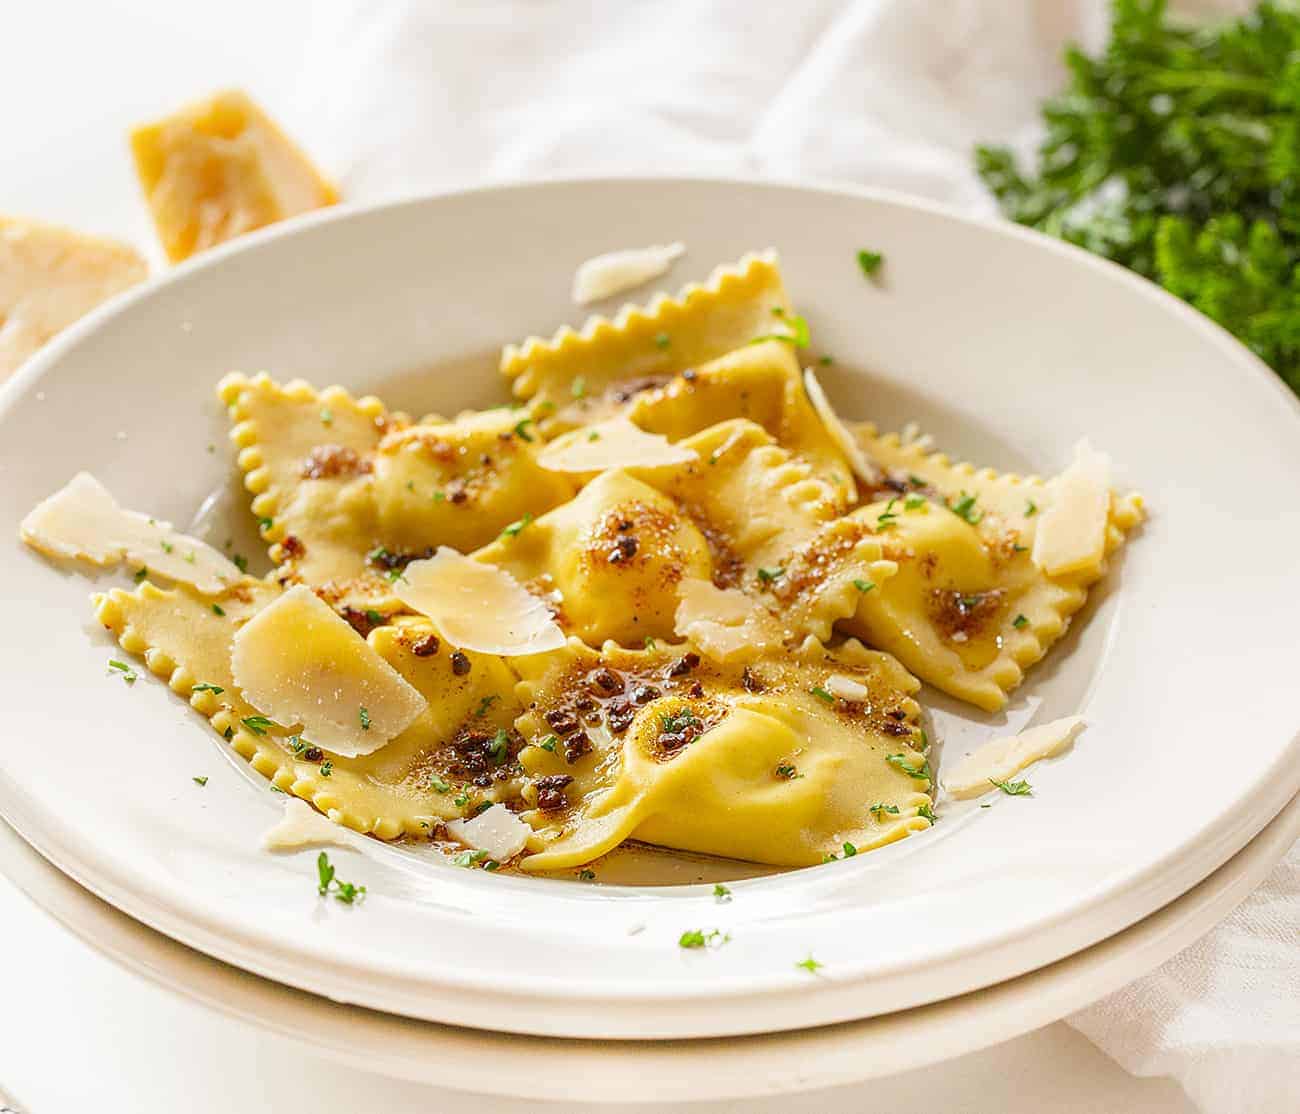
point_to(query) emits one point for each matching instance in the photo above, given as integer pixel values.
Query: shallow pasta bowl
(1004, 346)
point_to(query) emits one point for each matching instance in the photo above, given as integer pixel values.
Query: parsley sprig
(345, 892)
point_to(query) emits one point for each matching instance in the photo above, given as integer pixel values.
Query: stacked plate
(1005, 347)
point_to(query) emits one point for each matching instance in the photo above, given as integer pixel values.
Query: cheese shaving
(613, 444)
(496, 830)
(724, 624)
(1071, 534)
(858, 460)
(302, 826)
(477, 606)
(1002, 759)
(82, 521)
(606, 275)
(300, 663)
(846, 688)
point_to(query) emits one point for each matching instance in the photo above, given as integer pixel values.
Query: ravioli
(457, 755)
(579, 377)
(760, 763)
(968, 609)
(610, 562)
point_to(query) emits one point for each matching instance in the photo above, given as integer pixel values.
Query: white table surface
(78, 1033)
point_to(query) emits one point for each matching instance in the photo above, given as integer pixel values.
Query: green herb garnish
(720, 893)
(798, 335)
(129, 675)
(513, 530)
(217, 609)
(345, 892)
(327, 768)
(926, 811)
(499, 748)
(673, 722)
(468, 858)
(900, 762)
(769, 575)
(870, 262)
(363, 714)
(257, 724)
(141, 573)
(886, 518)
(964, 508)
(1014, 788)
(662, 340)
(878, 809)
(914, 502)
(521, 429)
(1019, 621)
(822, 694)
(579, 387)
(549, 743)
(700, 938)
(240, 562)
(864, 586)
(810, 965)
(326, 415)
(439, 785)
(199, 780)
(788, 771)
(485, 704)
(586, 875)
(203, 686)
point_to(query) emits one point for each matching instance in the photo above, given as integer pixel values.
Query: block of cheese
(219, 168)
(50, 276)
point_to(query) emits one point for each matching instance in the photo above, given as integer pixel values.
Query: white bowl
(1005, 346)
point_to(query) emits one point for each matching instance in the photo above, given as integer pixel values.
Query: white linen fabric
(403, 96)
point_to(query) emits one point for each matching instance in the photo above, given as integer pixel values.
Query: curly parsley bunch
(1176, 152)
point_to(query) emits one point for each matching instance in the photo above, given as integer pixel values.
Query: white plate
(1006, 346)
(589, 1072)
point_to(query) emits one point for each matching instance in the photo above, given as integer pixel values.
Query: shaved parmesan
(302, 826)
(477, 606)
(83, 521)
(722, 623)
(1002, 759)
(613, 444)
(496, 830)
(298, 662)
(846, 688)
(1071, 534)
(858, 460)
(606, 275)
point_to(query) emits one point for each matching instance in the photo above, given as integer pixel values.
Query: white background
(76, 1032)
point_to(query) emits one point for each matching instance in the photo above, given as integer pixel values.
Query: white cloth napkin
(397, 97)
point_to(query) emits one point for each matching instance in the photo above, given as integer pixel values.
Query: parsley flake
(167, 547)
(594, 435)
(926, 811)
(586, 875)
(870, 262)
(327, 768)
(701, 938)
(1031, 508)
(826, 361)
(810, 965)
(900, 762)
(513, 530)
(265, 524)
(521, 429)
(650, 642)
(364, 716)
(1019, 621)
(579, 387)
(863, 586)
(721, 894)
(240, 561)
(1020, 788)
(468, 858)
(499, 748)
(256, 724)
(199, 780)
(964, 508)
(204, 686)
(217, 609)
(129, 675)
(788, 771)
(140, 574)
(798, 336)
(879, 808)
(822, 694)
(345, 892)
(769, 575)
(485, 704)
(439, 785)
(549, 743)
(886, 518)
(662, 340)
(914, 502)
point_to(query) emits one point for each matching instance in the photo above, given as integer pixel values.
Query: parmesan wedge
(613, 444)
(82, 521)
(722, 623)
(606, 275)
(478, 606)
(49, 277)
(496, 830)
(1072, 532)
(858, 460)
(1001, 759)
(298, 662)
(302, 826)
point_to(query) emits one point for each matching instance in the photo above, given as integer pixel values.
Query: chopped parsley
(228, 734)
(345, 892)
(870, 262)
(769, 575)
(673, 722)
(863, 586)
(468, 858)
(579, 387)
(788, 771)
(810, 965)
(1031, 508)
(199, 780)
(265, 524)
(167, 547)
(914, 502)
(364, 715)
(721, 894)
(439, 496)
(701, 938)
(439, 785)
(549, 743)
(217, 609)
(662, 340)
(879, 809)
(915, 480)
(798, 335)
(129, 675)
(900, 762)
(926, 811)
(141, 573)
(326, 415)
(521, 429)
(499, 748)
(1019, 621)
(485, 704)
(296, 744)
(886, 518)
(649, 642)
(256, 724)
(849, 851)
(586, 874)
(513, 530)
(822, 694)
(241, 562)
(461, 799)
(373, 616)
(327, 768)
(1020, 788)
(964, 508)
(203, 686)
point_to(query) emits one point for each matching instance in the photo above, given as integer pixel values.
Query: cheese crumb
(477, 606)
(1002, 759)
(82, 521)
(299, 662)
(616, 443)
(606, 275)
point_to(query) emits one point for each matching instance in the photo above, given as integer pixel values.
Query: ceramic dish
(1005, 347)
